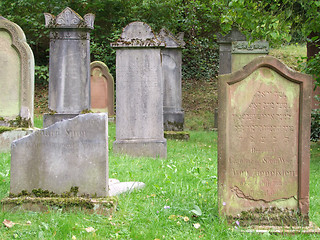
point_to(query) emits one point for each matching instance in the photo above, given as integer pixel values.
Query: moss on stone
(272, 216)
(20, 122)
(86, 111)
(5, 129)
(179, 135)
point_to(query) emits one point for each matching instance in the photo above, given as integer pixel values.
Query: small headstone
(139, 97)
(69, 60)
(16, 76)
(173, 115)
(102, 88)
(69, 153)
(263, 146)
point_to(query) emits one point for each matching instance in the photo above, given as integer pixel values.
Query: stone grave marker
(102, 88)
(263, 144)
(139, 93)
(70, 153)
(243, 52)
(69, 62)
(173, 114)
(16, 76)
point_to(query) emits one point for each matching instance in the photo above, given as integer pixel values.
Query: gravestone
(16, 76)
(263, 144)
(69, 60)
(139, 93)
(243, 52)
(173, 115)
(102, 88)
(70, 153)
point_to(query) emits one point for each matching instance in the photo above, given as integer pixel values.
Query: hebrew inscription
(263, 137)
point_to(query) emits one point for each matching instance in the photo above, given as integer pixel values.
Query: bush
(315, 125)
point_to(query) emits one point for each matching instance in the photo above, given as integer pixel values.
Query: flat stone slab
(103, 206)
(7, 137)
(177, 135)
(116, 187)
(311, 229)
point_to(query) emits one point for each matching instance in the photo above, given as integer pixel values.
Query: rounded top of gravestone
(170, 40)
(233, 35)
(137, 34)
(69, 19)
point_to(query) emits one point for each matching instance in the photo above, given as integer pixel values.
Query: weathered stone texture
(69, 75)
(16, 73)
(67, 154)
(264, 130)
(139, 98)
(102, 88)
(173, 115)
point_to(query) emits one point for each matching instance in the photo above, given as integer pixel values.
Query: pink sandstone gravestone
(263, 156)
(102, 88)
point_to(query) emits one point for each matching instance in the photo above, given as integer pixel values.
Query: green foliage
(315, 125)
(41, 76)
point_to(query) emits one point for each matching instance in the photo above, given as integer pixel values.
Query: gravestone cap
(138, 34)
(69, 19)
(233, 35)
(247, 47)
(170, 40)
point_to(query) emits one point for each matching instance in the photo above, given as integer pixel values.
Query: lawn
(175, 186)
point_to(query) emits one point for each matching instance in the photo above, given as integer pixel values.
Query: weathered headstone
(139, 93)
(69, 74)
(243, 52)
(102, 88)
(263, 145)
(16, 76)
(173, 115)
(70, 153)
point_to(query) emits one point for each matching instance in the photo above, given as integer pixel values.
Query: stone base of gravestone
(141, 148)
(7, 137)
(102, 206)
(68, 154)
(173, 121)
(177, 135)
(292, 230)
(49, 119)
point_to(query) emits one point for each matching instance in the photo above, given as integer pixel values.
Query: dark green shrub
(315, 125)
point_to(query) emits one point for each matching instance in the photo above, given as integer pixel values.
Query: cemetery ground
(179, 201)
(180, 197)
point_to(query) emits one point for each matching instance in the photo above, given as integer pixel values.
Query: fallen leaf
(186, 219)
(8, 223)
(28, 222)
(73, 237)
(90, 229)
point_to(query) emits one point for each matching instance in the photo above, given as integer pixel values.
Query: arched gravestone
(102, 88)
(263, 144)
(173, 115)
(139, 97)
(16, 74)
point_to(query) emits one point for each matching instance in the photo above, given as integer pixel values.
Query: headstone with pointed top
(16, 76)
(102, 88)
(173, 114)
(139, 94)
(69, 64)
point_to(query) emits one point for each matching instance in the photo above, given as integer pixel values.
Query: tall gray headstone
(173, 115)
(69, 64)
(70, 153)
(16, 75)
(139, 93)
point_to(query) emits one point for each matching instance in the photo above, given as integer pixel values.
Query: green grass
(290, 55)
(186, 178)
